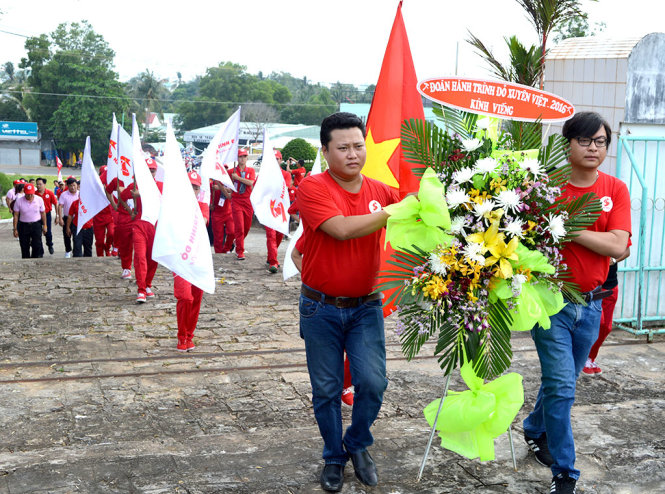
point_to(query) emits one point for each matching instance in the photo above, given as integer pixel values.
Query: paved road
(96, 400)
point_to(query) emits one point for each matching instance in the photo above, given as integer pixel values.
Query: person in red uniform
(143, 238)
(102, 224)
(221, 217)
(273, 237)
(50, 201)
(564, 347)
(342, 215)
(189, 296)
(243, 178)
(124, 228)
(83, 238)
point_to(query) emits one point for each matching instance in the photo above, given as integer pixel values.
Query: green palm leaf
(525, 135)
(554, 152)
(582, 213)
(425, 145)
(495, 353)
(457, 121)
(448, 346)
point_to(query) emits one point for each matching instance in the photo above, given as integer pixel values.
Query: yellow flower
(488, 238)
(435, 287)
(471, 296)
(497, 185)
(501, 253)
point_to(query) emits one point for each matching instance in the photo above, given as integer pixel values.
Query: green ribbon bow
(470, 421)
(419, 221)
(536, 302)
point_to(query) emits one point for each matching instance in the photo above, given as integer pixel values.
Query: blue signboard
(19, 130)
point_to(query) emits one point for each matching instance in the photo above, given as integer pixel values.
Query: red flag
(395, 100)
(59, 164)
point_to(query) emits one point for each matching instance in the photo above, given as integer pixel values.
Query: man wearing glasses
(564, 347)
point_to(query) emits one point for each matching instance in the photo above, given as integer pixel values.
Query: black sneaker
(563, 484)
(540, 449)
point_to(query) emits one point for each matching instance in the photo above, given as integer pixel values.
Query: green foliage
(299, 149)
(5, 184)
(75, 61)
(11, 111)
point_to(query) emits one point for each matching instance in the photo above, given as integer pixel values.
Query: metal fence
(640, 308)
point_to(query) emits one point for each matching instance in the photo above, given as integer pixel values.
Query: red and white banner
(222, 150)
(270, 197)
(59, 165)
(501, 99)
(151, 198)
(112, 159)
(125, 156)
(181, 239)
(92, 198)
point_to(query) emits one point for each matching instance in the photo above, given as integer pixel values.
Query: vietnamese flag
(396, 99)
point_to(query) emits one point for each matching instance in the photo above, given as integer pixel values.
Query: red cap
(152, 164)
(194, 178)
(29, 189)
(102, 168)
(278, 155)
(16, 182)
(242, 152)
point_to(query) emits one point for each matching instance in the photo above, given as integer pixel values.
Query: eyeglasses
(600, 142)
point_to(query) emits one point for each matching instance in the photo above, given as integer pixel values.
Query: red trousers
(124, 241)
(223, 226)
(188, 307)
(144, 266)
(273, 240)
(103, 237)
(242, 219)
(606, 319)
(347, 372)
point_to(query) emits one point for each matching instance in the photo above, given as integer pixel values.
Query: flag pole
(431, 436)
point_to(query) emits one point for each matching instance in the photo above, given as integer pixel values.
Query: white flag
(270, 198)
(92, 198)
(289, 268)
(222, 149)
(112, 160)
(150, 195)
(181, 239)
(125, 153)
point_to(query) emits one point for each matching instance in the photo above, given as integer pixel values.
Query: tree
(577, 27)
(148, 92)
(257, 115)
(73, 88)
(13, 85)
(299, 149)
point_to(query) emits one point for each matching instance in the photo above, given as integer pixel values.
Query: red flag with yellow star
(395, 100)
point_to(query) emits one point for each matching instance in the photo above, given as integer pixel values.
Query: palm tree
(546, 16)
(149, 89)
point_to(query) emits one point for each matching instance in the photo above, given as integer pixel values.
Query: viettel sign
(497, 99)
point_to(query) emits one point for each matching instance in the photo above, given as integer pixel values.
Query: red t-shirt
(74, 213)
(49, 199)
(587, 268)
(340, 268)
(126, 195)
(215, 197)
(244, 191)
(205, 211)
(124, 214)
(298, 175)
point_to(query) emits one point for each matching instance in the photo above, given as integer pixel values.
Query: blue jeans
(328, 331)
(562, 350)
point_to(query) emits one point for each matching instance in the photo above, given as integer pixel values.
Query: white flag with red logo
(181, 239)
(112, 159)
(59, 165)
(289, 268)
(125, 157)
(269, 197)
(92, 198)
(151, 198)
(223, 149)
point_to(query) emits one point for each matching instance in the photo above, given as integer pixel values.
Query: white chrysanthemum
(474, 252)
(456, 197)
(509, 199)
(555, 225)
(463, 175)
(516, 284)
(485, 166)
(438, 266)
(483, 123)
(458, 224)
(514, 228)
(471, 144)
(484, 208)
(531, 165)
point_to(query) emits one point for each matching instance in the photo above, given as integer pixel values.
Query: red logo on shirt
(374, 206)
(607, 204)
(278, 209)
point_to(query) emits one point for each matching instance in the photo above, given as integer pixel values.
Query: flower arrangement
(478, 253)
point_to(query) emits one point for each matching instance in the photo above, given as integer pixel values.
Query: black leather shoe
(50, 249)
(363, 465)
(332, 477)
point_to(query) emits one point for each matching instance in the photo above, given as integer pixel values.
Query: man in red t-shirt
(143, 237)
(124, 227)
(564, 347)
(103, 225)
(50, 201)
(342, 214)
(221, 217)
(83, 238)
(243, 178)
